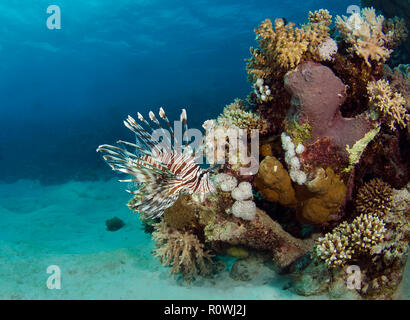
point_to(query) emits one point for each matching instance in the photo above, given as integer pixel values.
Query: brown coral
(181, 250)
(274, 184)
(318, 29)
(375, 197)
(315, 202)
(280, 48)
(329, 193)
(182, 214)
(389, 105)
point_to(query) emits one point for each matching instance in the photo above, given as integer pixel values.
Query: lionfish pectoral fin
(155, 201)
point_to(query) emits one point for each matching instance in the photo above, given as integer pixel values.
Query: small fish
(160, 172)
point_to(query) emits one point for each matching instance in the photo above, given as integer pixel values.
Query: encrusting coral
(181, 250)
(364, 33)
(389, 105)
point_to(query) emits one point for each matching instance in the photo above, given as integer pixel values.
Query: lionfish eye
(201, 175)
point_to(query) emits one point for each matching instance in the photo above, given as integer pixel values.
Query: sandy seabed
(64, 225)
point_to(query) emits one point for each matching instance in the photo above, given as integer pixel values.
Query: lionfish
(161, 173)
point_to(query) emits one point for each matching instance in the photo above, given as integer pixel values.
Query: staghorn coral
(236, 115)
(399, 79)
(375, 197)
(282, 48)
(181, 250)
(364, 33)
(349, 240)
(387, 105)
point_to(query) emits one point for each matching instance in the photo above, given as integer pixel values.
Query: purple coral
(317, 94)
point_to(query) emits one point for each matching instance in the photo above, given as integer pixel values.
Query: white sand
(64, 225)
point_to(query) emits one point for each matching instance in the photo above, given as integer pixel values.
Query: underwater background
(64, 92)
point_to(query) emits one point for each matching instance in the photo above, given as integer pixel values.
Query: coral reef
(181, 250)
(330, 189)
(375, 197)
(364, 33)
(389, 105)
(347, 240)
(236, 115)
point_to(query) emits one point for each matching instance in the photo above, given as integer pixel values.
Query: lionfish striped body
(160, 172)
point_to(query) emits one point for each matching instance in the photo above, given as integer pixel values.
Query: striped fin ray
(154, 200)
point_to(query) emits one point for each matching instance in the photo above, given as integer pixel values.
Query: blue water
(64, 92)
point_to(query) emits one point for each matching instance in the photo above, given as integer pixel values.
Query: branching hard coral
(396, 27)
(349, 240)
(387, 104)
(181, 250)
(399, 79)
(375, 197)
(235, 114)
(280, 48)
(364, 33)
(318, 32)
